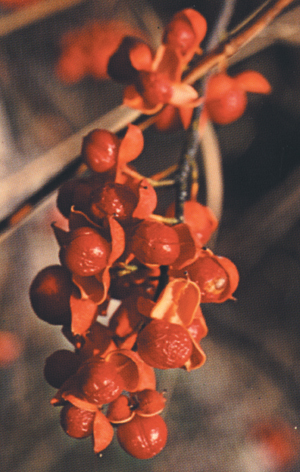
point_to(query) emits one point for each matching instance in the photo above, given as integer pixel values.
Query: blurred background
(240, 411)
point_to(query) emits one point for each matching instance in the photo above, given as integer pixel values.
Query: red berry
(59, 366)
(99, 381)
(179, 34)
(155, 243)
(164, 345)
(150, 402)
(226, 101)
(119, 410)
(113, 200)
(75, 422)
(217, 277)
(142, 437)
(156, 88)
(100, 150)
(50, 295)
(87, 253)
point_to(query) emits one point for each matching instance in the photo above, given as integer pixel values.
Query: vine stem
(188, 169)
(236, 40)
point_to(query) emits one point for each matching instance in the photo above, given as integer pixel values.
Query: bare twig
(236, 41)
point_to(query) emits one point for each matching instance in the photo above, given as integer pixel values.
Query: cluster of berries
(116, 247)
(154, 80)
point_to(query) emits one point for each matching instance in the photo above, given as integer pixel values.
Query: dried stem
(235, 41)
(188, 167)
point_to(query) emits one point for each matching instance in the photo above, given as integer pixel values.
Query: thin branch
(188, 166)
(236, 41)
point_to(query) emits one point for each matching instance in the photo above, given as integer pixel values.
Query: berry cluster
(154, 80)
(116, 247)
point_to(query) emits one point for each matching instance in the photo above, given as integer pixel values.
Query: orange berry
(113, 200)
(216, 276)
(142, 437)
(100, 150)
(87, 253)
(99, 381)
(155, 243)
(150, 402)
(179, 34)
(156, 88)
(119, 410)
(50, 294)
(164, 345)
(225, 100)
(75, 422)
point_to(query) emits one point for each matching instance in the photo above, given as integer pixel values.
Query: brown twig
(235, 41)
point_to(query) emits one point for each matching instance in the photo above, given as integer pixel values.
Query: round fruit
(119, 410)
(113, 200)
(216, 276)
(156, 88)
(59, 366)
(99, 381)
(100, 150)
(155, 243)
(75, 422)
(179, 34)
(164, 345)
(142, 437)
(87, 253)
(226, 101)
(50, 295)
(150, 402)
